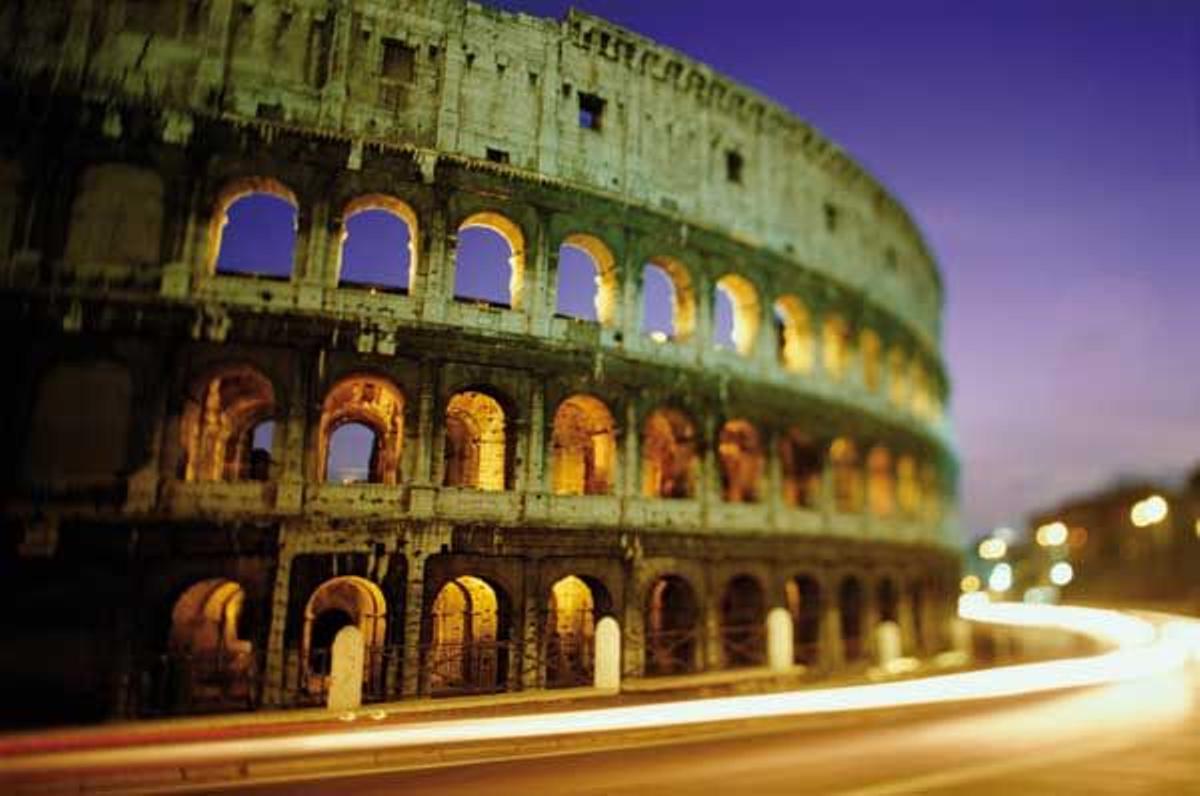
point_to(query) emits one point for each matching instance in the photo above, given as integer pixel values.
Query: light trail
(1142, 649)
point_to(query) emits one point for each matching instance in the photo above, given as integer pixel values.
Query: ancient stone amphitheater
(744, 413)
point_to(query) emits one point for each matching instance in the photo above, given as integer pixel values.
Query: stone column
(532, 619)
(538, 300)
(906, 619)
(712, 652)
(634, 626)
(631, 459)
(832, 656)
(631, 295)
(415, 681)
(535, 456)
(273, 669)
(435, 265)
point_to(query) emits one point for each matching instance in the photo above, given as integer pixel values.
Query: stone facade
(531, 473)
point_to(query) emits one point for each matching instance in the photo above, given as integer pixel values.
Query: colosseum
(465, 328)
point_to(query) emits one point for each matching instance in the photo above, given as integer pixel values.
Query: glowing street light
(970, 584)
(1052, 534)
(1149, 511)
(1001, 578)
(991, 549)
(1062, 573)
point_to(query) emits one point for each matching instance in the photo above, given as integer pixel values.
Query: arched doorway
(338, 603)
(570, 632)
(804, 604)
(209, 665)
(850, 605)
(672, 637)
(743, 614)
(584, 453)
(468, 650)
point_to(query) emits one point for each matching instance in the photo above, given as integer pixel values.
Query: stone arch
(740, 453)
(743, 618)
(574, 607)
(881, 482)
(468, 635)
(208, 659)
(836, 352)
(851, 614)
(79, 429)
(476, 442)
(391, 220)
(584, 453)
(682, 303)
(870, 349)
(512, 236)
(898, 385)
(747, 312)
(802, 465)
(795, 335)
(116, 221)
(803, 594)
(672, 639)
(847, 476)
(229, 232)
(372, 401)
(336, 603)
(607, 295)
(669, 461)
(221, 412)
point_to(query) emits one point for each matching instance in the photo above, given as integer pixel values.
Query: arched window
(570, 633)
(361, 432)
(847, 477)
(741, 456)
(669, 462)
(881, 483)
(889, 601)
(340, 602)
(475, 442)
(254, 229)
(835, 346)
(587, 280)
(223, 424)
(736, 314)
(870, 347)
(908, 491)
(802, 461)
(378, 247)
(743, 613)
(206, 650)
(795, 337)
(672, 615)
(803, 595)
(489, 261)
(668, 303)
(583, 460)
(467, 629)
(897, 377)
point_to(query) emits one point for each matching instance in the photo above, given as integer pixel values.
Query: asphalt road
(1132, 738)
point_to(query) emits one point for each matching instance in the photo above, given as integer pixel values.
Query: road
(1140, 737)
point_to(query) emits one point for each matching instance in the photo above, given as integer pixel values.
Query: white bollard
(780, 636)
(346, 670)
(888, 646)
(607, 674)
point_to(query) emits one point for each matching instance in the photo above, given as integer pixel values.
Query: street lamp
(1147, 512)
(992, 549)
(1001, 578)
(1062, 573)
(1052, 534)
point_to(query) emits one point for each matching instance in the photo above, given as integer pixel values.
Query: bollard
(887, 643)
(607, 674)
(780, 639)
(346, 670)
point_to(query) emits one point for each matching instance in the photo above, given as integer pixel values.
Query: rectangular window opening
(497, 155)
(399, 60)
(591, 111)
(831, 217)
(733, 166)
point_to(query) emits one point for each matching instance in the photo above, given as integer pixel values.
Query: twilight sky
(1050, 150)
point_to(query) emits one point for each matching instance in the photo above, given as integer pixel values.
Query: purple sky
(1051, 153)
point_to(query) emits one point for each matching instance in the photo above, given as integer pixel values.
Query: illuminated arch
(870, 348)
(476, 454)
(747, 312)
(219, 231)
(606, 296)
(672, 615)
(205, 619)
(584, 456)
(835, 346)
(740, 454)
(669, 461)
(847, 476)
(376, 403)
(796, 349)
(220, 415)
(743, 613)
(339, 602)
(802, 462)
(881, 482)
(513, 237)
(465, 655)
(570, 633)
(803, 595)
(398, 212)
(682, 310)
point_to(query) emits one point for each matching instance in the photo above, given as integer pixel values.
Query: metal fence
(744, 645)
(179, 684)
(672, 651)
